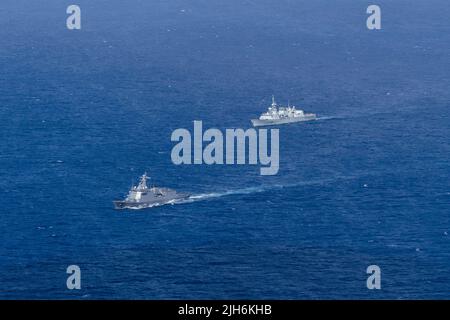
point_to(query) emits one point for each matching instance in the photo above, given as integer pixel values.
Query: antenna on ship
(274, 104)
(143, 183)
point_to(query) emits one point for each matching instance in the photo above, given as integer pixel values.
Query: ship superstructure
(280, 115)
(141, 196)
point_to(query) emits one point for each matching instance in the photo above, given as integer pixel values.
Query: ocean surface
(83, 112)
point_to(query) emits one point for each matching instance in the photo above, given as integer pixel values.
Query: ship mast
(143, 183)
(274, 104)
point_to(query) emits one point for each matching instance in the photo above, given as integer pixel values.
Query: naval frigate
(280, 115)
(141, 196)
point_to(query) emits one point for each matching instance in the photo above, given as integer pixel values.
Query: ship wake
(251, 190)
(327, 118)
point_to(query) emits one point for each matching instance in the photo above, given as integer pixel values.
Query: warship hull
(141, 196)
(156, 201)
(260, 123)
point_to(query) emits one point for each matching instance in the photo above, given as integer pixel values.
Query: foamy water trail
(327, 118)
(248, 190)
(251, 190)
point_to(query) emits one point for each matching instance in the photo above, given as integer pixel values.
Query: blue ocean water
(83, 112)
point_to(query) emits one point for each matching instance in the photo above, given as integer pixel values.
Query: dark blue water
(83, 112)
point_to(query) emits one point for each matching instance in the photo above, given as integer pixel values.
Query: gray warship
(141, 196)
(280, 115)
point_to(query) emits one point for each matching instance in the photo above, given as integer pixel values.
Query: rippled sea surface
(82, 113)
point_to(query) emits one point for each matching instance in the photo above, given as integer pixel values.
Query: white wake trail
(251, 190)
